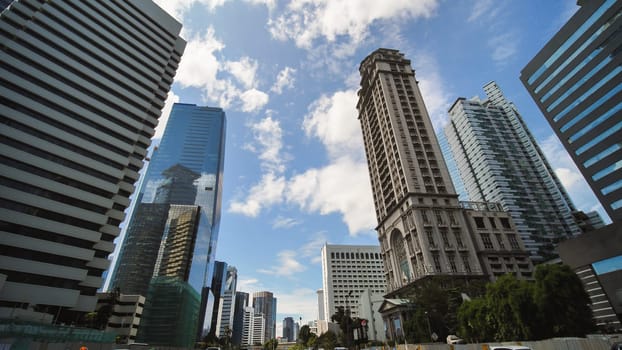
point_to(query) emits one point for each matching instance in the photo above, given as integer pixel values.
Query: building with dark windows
(82, 85)
(288, 329)
(264, 303)
(219, 278)
(183, 183)
(576, 81)
(499, 161)
(241, 302)
(596, 258)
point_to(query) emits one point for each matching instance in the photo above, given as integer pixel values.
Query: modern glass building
(264, 303)
(219, 278)
(499, 161)
(183, 183)
(82, 85)
(576, 81)
(227, 303)
(241, 302)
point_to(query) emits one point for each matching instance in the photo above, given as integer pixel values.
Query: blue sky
(286, 74)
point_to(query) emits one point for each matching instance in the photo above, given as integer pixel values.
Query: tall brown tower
(423, 229)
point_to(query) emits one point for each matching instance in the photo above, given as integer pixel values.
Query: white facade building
(254, 327)
(82, 86)
(347, 271)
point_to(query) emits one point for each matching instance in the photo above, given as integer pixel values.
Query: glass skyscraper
(576, 81)
(499, 161)
(82, 85)
(173, 231)
(264, 303)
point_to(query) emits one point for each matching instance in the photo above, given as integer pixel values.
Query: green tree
(562, 303)
(327, 341)
(304, 334)
(474, 323)
(511, 308)
(271, 344)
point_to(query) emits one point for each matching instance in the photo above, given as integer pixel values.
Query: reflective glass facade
(576, 80)
(185, 177)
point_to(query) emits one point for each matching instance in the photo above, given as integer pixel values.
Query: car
(454, 339)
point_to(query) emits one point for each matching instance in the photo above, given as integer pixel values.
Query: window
(445, 239)
(430, 238)
(486, 240)
(452, 218)
(479, 222)
(505, 222)
(458, 236)
(500, 241)
(492, 222)
(439, 217)
(513, 242)
(452, 263)
(465, 262)
(437, 262)
(424, 216)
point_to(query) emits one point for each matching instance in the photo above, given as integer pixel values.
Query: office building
(227, 303)
(423, 229)
(173, 231)
(241, 302)
(499, 161)
(576, 81)
(264, 303)
(254, 330)
(348, 270)
(82, 85)
(219, 279)
(125, 314)
(288, 329)
(596, 257)
(320, 304)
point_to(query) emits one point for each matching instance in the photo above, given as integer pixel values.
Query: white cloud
(244, 70)
(284, 79)
(249, 285)
(483, 7)
(166, 111)
(312, 249)
(437, 100)
(268, 136)
(282, 222)
(288, 265)
(199, 65)
(177, 8)
(297, 303)
(334, 120)
(504, 46)
(200, 68)
(253, 100)
(304, 21)
(268, 192)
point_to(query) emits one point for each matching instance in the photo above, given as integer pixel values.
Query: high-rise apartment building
(320, 304)
(347, 271)
(499, 161)
(241, 302)
(82, 85)
(227, 303)
(264, 303)
(576, 81)
(254, 330)
(423, 229)
(172, 233)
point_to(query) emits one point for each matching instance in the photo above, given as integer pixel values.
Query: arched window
(401, 257)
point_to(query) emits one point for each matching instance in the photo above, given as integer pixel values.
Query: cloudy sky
(286, 74)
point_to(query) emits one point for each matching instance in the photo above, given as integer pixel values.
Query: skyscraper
(264, 303)
(576, 81)
(227, 303)
(364, 268)
(82, 88)
(424, 231)
(500, 161)
(288, 329)
(241, 302)
(183, 183)
(219, 279)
